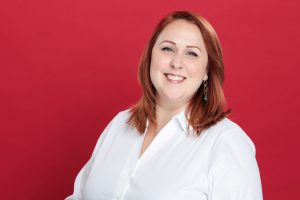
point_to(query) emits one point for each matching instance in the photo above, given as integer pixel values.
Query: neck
(165, 113)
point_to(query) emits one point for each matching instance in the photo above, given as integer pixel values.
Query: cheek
(154, 70)
(197, 70)
(159, 61)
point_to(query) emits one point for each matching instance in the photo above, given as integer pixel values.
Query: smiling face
(178, 63)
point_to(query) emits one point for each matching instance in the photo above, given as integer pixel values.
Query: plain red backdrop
(68, 66)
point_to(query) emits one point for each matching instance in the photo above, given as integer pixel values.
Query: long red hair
(202, 114)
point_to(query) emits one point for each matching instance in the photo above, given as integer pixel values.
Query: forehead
(182, 31)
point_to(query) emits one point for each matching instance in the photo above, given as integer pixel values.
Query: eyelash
(170, 49)
(167, 48)
(193, 54)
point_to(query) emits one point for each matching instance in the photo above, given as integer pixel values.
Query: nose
(176, 62)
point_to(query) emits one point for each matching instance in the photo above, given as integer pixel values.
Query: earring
(205, 98)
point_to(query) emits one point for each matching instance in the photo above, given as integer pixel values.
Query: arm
(80, 182)
(233, 170)
(85, 171)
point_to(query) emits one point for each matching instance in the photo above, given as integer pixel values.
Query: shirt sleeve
(233, 172)
(85, 170)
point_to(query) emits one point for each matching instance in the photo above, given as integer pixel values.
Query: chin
(174, 98)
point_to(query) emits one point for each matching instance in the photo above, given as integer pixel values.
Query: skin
(179, 49)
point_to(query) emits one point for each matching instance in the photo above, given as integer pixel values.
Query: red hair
(202, 114)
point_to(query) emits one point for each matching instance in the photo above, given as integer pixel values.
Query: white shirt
(218, 165)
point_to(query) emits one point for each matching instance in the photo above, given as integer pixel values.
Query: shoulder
(119, 121)
(123, 114)
(232, 166)
(229, 134)
(224, 125)
(116, 126)
(121, 117)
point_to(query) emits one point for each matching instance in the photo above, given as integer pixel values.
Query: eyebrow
(188, 46)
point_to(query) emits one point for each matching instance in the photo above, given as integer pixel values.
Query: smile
(173, 78)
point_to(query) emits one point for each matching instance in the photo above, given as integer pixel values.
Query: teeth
(174, 78)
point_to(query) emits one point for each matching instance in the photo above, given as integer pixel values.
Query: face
(178, 64)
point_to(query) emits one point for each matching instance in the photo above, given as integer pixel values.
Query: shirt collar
(181, 120)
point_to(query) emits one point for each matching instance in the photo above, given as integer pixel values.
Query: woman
(176, 143)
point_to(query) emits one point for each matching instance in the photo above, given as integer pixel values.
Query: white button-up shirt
(220, 164)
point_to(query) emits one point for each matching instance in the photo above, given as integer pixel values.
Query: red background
(68, 66)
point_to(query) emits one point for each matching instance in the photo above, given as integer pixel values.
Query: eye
(167, 49)
(192, 54)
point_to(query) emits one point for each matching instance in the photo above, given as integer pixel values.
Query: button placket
(125, 188)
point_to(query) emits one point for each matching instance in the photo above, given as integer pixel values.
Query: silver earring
(205, 98)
